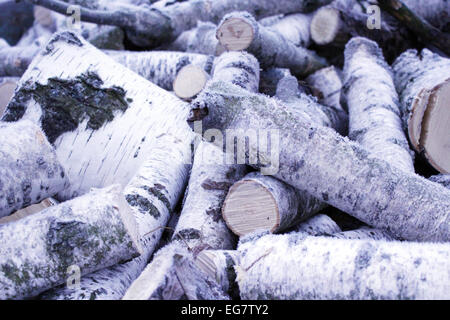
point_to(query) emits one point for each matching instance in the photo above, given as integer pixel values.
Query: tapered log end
(236, 31)
(249, 207)
(435, 138)
(325, 25)
(6, 93)
(189, 81)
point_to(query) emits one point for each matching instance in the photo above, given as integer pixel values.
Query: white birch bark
(97, 146)
(29, 168)
(240, 31)
(365, 233)
(324, 268)
(152, 195)
(373, 104)
(423, 83)
(443, 179)
(319, 225)
(295, 28)
(90, 232)
(330, 167)
(200, 222)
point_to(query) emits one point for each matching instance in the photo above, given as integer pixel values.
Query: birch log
(443, 179)
(373, 104)
(240, 31)
(335, 24)
(115, 116)
(423, 83)
(270, 79)
(295, 28)
(152, 195)
(29, 168)
(201, 222)
(326, 85)
(364, 233)
(168, 22)
(319, 225)
(259, 202)
(330, 167)
(14, 61)
(7, 87)
(219, 265)
(357, 269)
(90, 232)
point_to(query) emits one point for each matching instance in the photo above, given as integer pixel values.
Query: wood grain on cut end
(189, 81)
(325, 25)
(248, 207)
(435, 137)
(235, 34)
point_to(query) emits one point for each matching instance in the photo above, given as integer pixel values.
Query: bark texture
(29, 168)
(358, 269)
(373, 104)
(421, 80)
(92, 232)
(319, 225)
(365, 233)
(269, 47)
(201, 39)
(375, 192)
(105, 136)
(443, 179)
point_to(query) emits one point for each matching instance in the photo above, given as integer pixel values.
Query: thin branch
(416, 24)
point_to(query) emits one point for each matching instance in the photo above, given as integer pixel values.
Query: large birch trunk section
(105, 136)
(423, 83)
(90, 232)
(373, 104)
(358, 269)
(240, 31)
(318, 160)
(29, 168)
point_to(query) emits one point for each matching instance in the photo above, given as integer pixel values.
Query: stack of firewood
(310, 140)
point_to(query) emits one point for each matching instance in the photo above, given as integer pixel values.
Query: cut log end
(6, 93)
(248, 207)
(325, 25)
(235, 34)
(434, 138)
(189, 81)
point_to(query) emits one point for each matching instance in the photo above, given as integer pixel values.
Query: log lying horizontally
(168, 22)
(90, 232)
(102, 118)
(152, 195)
(423, 83)
(365, 233)
(319, 225)
(358, 269)
(240, 31)
(318, 160)
(29, 168)
(373, 104)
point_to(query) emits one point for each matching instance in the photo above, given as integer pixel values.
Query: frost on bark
(240, 31)
(201, 222)
(319, 225)
(358, 269)
(443, 179)
(92, 232)
(259, 202)
(423, 84)
(373, 104)
(29, 168)
(219, 265)
(172, 275)
(326, 85)
(330, 167)
(152, 195)
(168, 22)
(161, 67)
(102, 118)
(335, 24)
(364, 233)
(270, 79)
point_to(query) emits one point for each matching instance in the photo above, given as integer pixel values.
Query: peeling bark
(358, 269)
(92, 232)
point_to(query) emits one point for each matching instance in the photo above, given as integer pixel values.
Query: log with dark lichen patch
(330, 167)
(358, 269)
(103, 118)
(92, 232)
(29, 169)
